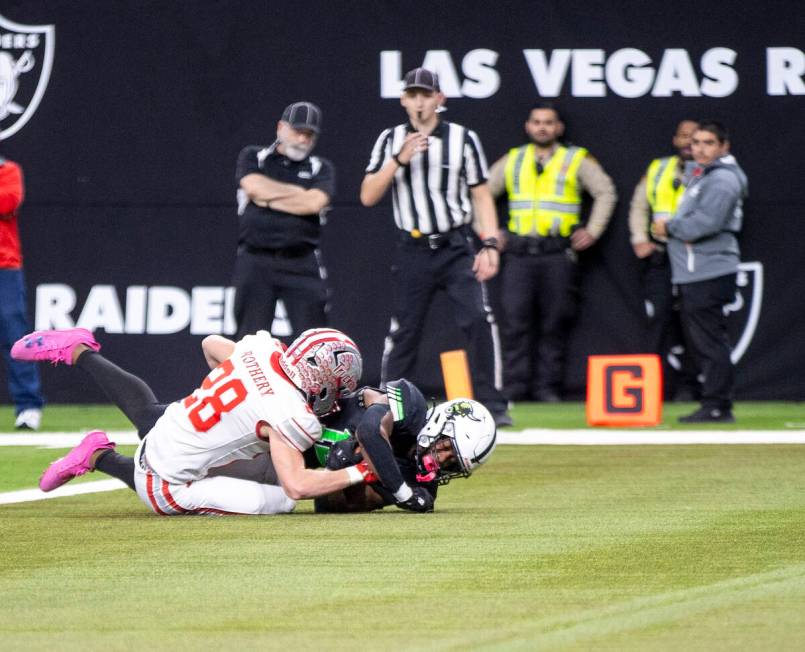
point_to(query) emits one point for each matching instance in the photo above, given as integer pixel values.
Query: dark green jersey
(409, 410)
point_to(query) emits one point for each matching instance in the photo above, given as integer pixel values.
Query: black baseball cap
(303, 115)
(421, 78)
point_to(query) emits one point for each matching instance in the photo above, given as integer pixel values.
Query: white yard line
(62, 439)
(545, 436)
(28, 495)
(606, 437)
(531, 436)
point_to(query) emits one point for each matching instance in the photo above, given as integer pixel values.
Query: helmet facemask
(462, 427)
(429, 468)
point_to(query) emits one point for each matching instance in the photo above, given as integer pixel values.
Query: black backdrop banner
(127, 118)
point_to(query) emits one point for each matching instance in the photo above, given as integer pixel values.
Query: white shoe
(29, 419)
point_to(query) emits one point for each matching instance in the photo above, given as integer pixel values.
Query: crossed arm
(286, 197)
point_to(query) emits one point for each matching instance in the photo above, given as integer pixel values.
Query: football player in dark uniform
(410, 450)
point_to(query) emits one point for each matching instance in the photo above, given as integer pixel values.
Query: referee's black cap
(303, 115)
(421, 78)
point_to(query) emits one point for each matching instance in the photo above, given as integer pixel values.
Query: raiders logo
(744, 312)
(26, 59)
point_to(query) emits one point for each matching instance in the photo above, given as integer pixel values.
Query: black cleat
(708, 415)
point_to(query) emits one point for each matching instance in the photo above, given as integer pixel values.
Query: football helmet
(463, 426)
(326, 365)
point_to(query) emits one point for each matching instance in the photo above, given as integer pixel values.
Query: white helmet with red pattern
(326, 365)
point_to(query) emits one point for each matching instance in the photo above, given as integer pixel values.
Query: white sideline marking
(530, 436)
(543, 436)
(63, 439)
(28, 495)
(607, 437)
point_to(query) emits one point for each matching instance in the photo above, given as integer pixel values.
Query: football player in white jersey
(256, 398)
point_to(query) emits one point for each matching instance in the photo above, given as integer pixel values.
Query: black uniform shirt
(409, 409)
(266, 228)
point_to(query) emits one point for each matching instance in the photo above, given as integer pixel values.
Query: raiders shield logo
(744, 311)
(26, 58)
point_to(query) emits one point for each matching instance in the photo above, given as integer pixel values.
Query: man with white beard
(283, 190)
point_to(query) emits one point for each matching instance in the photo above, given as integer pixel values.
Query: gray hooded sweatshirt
(702, 243)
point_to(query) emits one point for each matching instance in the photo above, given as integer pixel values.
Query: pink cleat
(56, 346)
(75, 463)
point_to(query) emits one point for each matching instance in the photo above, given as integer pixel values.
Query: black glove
(342, 454)
(420, 501)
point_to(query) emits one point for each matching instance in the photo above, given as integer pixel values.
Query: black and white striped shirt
(432, 194)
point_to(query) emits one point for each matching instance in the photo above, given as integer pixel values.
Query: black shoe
(708, 415)
(547, 396)
(503, 419)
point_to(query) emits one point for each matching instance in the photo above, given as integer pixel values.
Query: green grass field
(547, 547)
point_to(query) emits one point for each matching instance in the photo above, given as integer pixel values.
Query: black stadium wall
(128, 117)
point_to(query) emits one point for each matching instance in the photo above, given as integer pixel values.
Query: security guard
(283, 190)
(656, 197)
(544, 182)
(437, 172)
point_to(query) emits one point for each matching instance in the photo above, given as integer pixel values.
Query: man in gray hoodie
(704, 254)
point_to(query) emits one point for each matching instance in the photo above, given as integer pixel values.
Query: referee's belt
(296, 251)
(535, 246)
(434, 240)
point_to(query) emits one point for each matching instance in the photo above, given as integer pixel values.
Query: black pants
(705, 326)
(128, 392)
(134, 398)
(262, 278)
(418, 273)
(664, 327)
(539, 296)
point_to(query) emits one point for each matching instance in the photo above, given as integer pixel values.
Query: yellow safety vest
(548, 203)
(660, 192)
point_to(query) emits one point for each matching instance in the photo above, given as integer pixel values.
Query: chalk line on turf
(606, 437)
(530, 436)
(63, 439)
(28, 495)
(542, 436)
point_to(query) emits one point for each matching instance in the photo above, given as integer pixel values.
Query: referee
(437, 172)
(283, 190)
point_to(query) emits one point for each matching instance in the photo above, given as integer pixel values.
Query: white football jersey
(219, 422)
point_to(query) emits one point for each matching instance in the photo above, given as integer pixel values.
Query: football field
(566, 547)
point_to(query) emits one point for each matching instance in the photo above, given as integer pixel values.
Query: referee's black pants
(294, 276)
(705, 326)
(539, 297)
(417, 274)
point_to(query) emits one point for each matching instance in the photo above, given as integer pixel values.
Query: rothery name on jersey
(256, 372)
